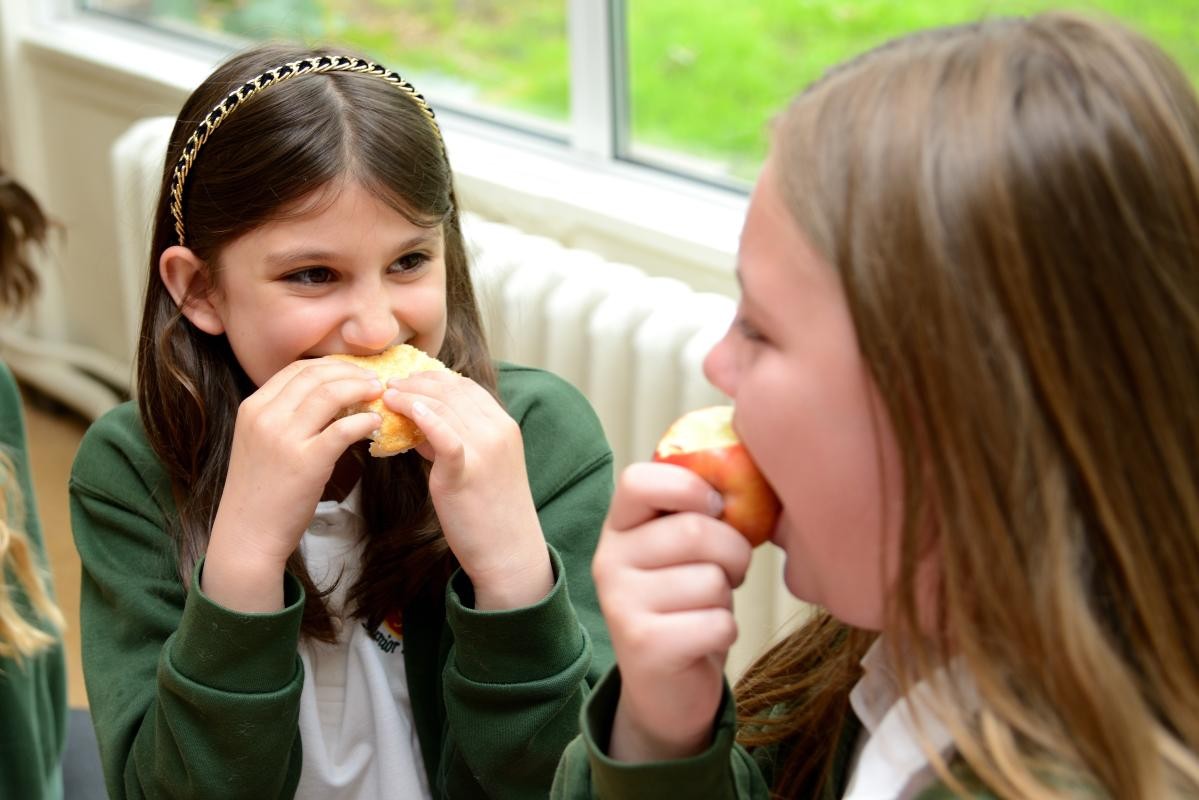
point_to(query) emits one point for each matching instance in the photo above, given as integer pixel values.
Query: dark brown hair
(278, 147)
(1013, 209)
(21, 222)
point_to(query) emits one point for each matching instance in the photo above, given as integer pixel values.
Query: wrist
(241, 578)
(515, 583)
(633, 743)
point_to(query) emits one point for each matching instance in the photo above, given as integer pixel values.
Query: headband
(315, 65)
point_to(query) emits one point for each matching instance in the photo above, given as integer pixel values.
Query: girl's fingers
(689, 587)
(275, 426)
(426, 450)
(684, 538)
(435, 383)
(473, 406)
(301, 399)
(277, 383)
(647, 490)
(459, 418)
(268, 391)
(437, 420)
(437, 395)
(672, 642)
(300, 386)
(326, 401)
(340, 434)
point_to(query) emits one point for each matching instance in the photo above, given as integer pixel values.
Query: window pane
(706, 76)
(505, 58)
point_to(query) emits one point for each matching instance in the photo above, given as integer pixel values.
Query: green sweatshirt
(725, 771)
(33, 694)
(192, 700)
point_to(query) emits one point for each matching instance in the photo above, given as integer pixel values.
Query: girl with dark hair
(33, 687)
(967, 359)
(267, 611)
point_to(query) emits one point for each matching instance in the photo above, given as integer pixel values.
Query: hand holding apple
(665, 570)
(703, 441)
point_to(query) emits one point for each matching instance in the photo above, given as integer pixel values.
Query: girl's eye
(747, 330)
(411, 262)
(312, 276)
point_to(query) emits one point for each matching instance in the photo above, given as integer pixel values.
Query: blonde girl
(967, 359)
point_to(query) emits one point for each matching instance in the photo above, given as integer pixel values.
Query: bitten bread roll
(397, 434)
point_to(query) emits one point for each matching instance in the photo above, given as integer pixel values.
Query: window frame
(596, 76)
(584, 193)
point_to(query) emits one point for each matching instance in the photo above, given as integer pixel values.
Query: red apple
(703, 441)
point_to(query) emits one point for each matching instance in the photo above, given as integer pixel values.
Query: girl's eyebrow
(306, 255)
(745, 294)
(748, 301)
(288, 257)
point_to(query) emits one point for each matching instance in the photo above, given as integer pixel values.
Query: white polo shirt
(356, 723)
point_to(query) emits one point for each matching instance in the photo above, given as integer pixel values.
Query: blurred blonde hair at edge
(1013, 208)
(21, 222)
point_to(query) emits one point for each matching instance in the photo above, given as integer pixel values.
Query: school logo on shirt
(390, 635)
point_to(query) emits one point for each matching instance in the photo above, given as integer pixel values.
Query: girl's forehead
(323, 197)
(340, 218)
(319, 199)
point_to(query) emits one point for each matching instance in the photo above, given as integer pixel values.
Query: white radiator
(631, 342)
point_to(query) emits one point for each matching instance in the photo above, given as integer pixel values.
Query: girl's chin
(799, 589)
(800, 585)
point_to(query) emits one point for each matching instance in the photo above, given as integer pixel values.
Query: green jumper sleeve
(189, 699)
(725, 771)
(514, 681)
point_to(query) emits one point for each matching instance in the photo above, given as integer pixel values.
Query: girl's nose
(372, 323)
(719, 366)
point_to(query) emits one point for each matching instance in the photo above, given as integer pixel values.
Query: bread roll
(397, 434)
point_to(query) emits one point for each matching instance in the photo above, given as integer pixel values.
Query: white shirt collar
(891, 763)
(332, 546)
(351, 504)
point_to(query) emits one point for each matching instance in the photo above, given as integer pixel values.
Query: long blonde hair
(1013, 207)
(20, 637)
(21, 222)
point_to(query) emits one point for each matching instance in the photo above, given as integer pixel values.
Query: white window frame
(594, 81)
(582, 194)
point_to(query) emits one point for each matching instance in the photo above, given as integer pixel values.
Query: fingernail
(715, 503)
(391, 395)
(419, 408)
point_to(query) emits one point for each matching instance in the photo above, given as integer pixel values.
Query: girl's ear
(187, 279)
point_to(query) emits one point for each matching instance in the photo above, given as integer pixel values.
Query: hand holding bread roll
(397, 434)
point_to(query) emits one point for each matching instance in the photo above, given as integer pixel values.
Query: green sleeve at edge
(517, 645)
(724, 770)
(224, 648)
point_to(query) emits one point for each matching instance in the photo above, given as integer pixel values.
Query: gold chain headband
(223, 109)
